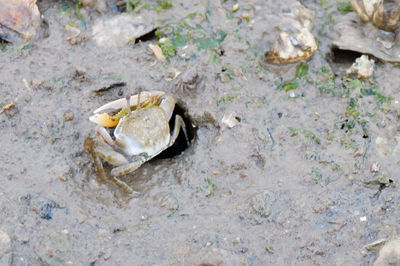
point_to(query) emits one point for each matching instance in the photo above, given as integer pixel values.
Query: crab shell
(101, 115)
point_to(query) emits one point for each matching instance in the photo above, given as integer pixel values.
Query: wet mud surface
(307, 177)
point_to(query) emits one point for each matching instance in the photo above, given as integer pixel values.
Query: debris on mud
(375, 167)
(258, 207)
(375, 243)
(188, 81)
(120, 30)
(7, 107)
(384, 14)
(74, 35)
(19, 19)
(383, 181)
(43, 207)
(230, 120)
(54, 249)
(5, 249)
(389, 254)
(295, 41)
(111, 86)
(167, 201)
(157, 52)
(68, 116)
(354, 35)
(363, 67)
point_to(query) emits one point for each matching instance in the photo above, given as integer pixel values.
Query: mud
(287, 186)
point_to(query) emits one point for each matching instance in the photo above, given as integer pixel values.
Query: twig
(272, 139)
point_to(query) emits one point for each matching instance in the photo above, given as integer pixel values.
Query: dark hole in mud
(147, 37)
(4, 45)
(344, 57)
(180, 144)
(119, 6)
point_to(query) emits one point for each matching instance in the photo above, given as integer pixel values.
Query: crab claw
(104, 120)
(101, 116)
(120, 103)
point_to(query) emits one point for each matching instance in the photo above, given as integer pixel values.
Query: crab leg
(179, 123)
(168, 105)
(123, 185)
(90, 147)
(129, 167)
(102, 134)
(110, 156)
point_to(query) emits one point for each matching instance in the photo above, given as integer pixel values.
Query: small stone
(68, 116)
(5, 243)
(359, 153)
(375, 167)
(63, 177)
(119, 30)
(230, 120)
(294, 41)
(243, 175)
(389, 254)
(362, 67)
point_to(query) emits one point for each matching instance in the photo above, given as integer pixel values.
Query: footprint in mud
(43, 207)
(258, 208)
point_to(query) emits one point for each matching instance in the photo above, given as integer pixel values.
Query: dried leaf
(157, 52)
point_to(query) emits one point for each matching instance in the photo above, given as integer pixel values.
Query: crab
(189, 80)
(141, 132)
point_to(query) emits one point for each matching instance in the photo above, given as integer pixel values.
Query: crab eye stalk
(128, 102)
(139, 90)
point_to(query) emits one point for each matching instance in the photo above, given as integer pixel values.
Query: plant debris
(7, 107)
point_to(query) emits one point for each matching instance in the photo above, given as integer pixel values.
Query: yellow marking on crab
(104, 120)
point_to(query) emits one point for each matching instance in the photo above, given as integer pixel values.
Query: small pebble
(374, 168)
(68, 116)
(5, 243)
(63, 177)
(242, 175)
